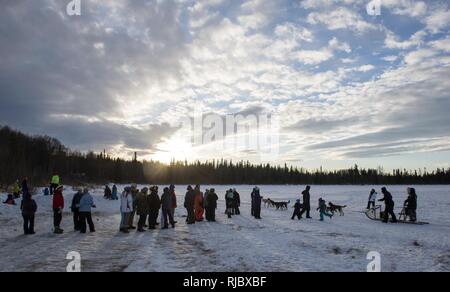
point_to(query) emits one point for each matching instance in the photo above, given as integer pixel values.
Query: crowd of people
(144, 206)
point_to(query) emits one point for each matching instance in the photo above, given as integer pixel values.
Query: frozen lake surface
(242, 244)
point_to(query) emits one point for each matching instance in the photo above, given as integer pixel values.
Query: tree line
(39, 157)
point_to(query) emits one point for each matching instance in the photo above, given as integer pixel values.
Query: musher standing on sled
(389, 209)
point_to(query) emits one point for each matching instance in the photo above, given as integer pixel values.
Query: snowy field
(241, 244)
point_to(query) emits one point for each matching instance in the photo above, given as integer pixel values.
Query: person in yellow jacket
(16, 189)
(55, 183)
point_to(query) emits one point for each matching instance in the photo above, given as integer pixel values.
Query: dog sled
(377, 214)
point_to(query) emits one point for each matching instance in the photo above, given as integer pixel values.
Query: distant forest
(38, 157)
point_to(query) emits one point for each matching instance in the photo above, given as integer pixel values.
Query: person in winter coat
(389, 209)
(16, 189)
(55, 182)
(10, 200)
(107, 193)
(372, 199)
(174, 201)
(411, 205)
(28, 207)
(134, 192)
(189, 204)
(257, 199)
(306, 203)
(46, 192)
(199, 210)
(323, 209)
(142, 208)
(25, 189)
(114, 193)
(75, 207)
(211, 205)
(237, 202)
(229, 201)
(154, 204)
(297, 210)
(166, 207)
(126, 208)
(58, 207)
(86, 205)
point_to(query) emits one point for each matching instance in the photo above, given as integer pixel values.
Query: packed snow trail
(242, 243)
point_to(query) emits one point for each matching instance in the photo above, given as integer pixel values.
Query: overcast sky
(346, 86)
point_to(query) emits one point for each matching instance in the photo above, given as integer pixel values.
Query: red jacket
(174, 200)
(58, 200)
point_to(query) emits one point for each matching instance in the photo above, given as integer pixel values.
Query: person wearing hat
(16, 189)
(166, 207)
(322, 208)
(174, 201)
(257, 200)
(229, 201)
(126, 207)
(236, 203)
(55, 182)
(389, 209)
(211, 205)
(306, 203)
(199, 210)
(28, 207)
(134, 192)
(372, 199)
(142, 208)
(189, 204)
(154, 203)
(75, 208)
(58, 207)
(86, 205)
(297, 210)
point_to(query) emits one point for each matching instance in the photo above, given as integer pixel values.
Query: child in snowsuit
(76, 210)
(323, 209)
(297, 210)
(372, 199)
(114, 193)
(29, 208)
(58, 207)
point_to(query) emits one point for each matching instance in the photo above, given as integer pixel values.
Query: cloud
(341, 18)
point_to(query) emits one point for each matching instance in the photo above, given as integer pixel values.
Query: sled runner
(376, 214)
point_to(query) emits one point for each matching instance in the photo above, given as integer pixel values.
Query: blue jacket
(86, 203)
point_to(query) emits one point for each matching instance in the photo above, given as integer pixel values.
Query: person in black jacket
(75, 207)
(154, 203)
(297, 210)
(237, 202)
(166, 206)
(389, 209)
(29, 208)
(411, 205)
(189, 204)
(211, 205)
(306, 203)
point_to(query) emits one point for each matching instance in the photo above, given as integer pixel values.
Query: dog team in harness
(147, 203)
